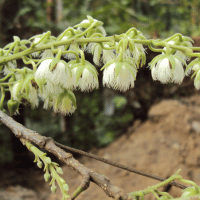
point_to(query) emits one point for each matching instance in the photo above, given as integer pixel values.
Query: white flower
(59, 76)
(43, 72)
(95, 49)
(122, 81)
(63, 102)
(87, 79)
(47, 54)
(163, 71)
(15, 91)
(33, 96)
(87, 82)
(71, 56)
(108, 55)
(178, 73)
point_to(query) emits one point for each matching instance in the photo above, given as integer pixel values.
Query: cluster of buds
(60, 68)
(52, 170)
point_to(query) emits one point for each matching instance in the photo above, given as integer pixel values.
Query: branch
(130, 169)
(47, 143)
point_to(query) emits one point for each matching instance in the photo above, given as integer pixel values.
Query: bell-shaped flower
(119, 75)
(167, 69)
(64, 102)
(86, 76)
(59, 75)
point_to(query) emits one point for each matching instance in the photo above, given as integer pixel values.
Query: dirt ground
(167, 141)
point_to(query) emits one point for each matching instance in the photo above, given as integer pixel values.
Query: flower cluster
(60, 68)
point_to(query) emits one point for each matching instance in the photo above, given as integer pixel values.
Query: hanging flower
(60, 74)
(64, 102)
(96, 50)
(165, 72)
(179, 53)
(86, 76)
(108, 55)
(119, 75)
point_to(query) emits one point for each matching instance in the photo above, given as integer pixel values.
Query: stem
(2, 97)
(82, 57)
(173, 36)
(6, 77)
(154, 187)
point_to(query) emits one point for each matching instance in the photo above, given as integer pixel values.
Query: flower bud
(53, 189)
(59, 170)
(48, 160)
(66, 187)
(47, 177)
(39, 164)
(13, 106)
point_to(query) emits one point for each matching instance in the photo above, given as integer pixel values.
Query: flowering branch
(59, 66)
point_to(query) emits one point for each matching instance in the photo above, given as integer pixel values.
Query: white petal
(164, 71)
(178, 73)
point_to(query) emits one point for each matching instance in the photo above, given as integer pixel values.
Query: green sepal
(54, 62)
(172, 61)
(131, 46)
(195, 61)
(118, 68)
(72, 97)
(156, 59)
(131, 70)
(79, 71)
(12, 106)
(108, 63)
(125, 44)
(26, 83)
(92, 69)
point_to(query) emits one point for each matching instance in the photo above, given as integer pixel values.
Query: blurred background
(104, 114)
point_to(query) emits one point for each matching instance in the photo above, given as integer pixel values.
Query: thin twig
(130, 169)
